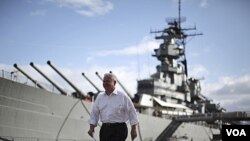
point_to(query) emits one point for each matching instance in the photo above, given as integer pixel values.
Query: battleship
(170, 105)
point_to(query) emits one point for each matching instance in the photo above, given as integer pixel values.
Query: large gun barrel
(126, 91)
(30, 78)
(53, 83)
(70, 83)
(98, 90)
(99, 76)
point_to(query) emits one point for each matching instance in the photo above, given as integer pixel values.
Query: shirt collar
(114, 92)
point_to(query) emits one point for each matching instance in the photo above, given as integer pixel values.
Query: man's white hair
(111, 75)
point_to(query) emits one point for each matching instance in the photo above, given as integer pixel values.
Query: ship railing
(170, 115)
(17, 77)
(9, 75)
(237, 115)
(177, 113)
(9, 138)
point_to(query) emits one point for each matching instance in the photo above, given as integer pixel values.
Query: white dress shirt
(114, 108)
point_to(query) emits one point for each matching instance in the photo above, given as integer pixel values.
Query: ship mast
(173, 47)
(179, 16)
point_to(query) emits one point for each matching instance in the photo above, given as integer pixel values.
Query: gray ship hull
(29, 113)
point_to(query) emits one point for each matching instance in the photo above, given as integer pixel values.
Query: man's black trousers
(113, 132)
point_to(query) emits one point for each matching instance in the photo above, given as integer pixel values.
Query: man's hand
(91, 130)
(133, 132)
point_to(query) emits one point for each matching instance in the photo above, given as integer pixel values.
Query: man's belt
(114, 124)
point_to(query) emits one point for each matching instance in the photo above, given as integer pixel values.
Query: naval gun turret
(79, 94)
(29, 77)
(47, 78)
(98, 75)
(98, 90)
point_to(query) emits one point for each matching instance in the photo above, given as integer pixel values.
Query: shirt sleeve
(133, 119)
(94, 115)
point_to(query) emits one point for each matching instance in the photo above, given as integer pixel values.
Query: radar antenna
(183, 38)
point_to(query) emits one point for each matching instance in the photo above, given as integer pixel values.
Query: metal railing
(17, 77)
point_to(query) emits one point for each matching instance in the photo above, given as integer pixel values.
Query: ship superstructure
(170, 88)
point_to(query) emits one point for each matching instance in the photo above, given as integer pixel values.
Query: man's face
(108, 83)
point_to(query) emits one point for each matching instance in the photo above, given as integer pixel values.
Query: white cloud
(230, 85)
(232, 92)
(4, 67)
(198, 71)
(145, 46)
(85, 7)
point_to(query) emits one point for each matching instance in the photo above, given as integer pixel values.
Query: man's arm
(132, 118)
(133, 132)
(91, 130)
(94, 118)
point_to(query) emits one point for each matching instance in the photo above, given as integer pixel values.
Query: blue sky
(88, 36)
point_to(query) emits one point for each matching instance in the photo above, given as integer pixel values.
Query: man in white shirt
(114, 109)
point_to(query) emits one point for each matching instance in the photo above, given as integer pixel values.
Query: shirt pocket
(120, 108)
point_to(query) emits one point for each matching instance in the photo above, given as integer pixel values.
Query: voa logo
(236, 132)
